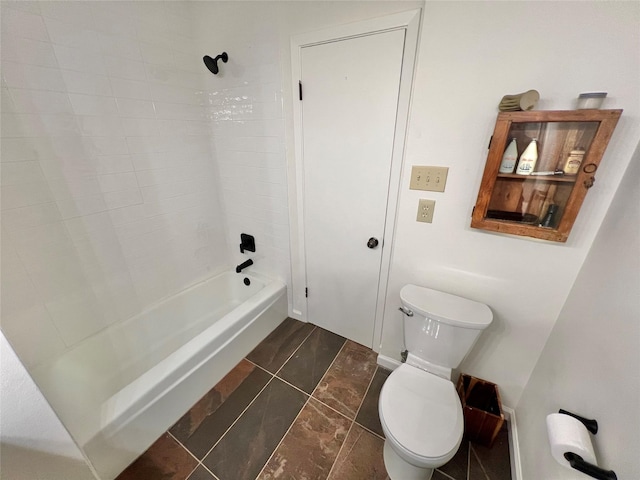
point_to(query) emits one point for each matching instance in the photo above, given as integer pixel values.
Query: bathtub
(119, 390)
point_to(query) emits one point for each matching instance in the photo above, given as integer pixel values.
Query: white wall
(589, 364)
(110, 194)
(471, 54)
(33, 443)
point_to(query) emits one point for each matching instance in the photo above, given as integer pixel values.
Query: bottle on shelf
(528, 159)
(510, 157)
(573, 162)
(549, 219)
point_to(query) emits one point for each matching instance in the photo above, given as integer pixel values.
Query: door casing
(409, 21)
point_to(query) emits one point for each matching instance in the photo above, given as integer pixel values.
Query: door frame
(410, 22)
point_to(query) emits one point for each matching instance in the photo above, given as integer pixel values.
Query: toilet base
(399, 469)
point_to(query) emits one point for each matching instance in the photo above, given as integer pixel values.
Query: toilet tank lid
(446, 308)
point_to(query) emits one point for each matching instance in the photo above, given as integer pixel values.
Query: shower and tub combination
(119, 390)
(115, 228)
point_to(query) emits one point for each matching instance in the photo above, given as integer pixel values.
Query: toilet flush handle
(406, 311)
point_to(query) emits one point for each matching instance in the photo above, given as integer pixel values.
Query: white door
(350, 91)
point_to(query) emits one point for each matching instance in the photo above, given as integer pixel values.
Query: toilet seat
(422, 415)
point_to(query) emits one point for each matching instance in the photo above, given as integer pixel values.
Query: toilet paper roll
(568, 434)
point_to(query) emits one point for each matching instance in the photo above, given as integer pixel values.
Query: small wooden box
(482, 409)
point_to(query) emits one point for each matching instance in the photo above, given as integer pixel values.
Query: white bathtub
(121, 389)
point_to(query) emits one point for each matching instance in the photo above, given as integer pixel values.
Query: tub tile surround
(107, 168)
(287, 411)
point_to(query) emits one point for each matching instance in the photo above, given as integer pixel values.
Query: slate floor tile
(274, 350)
(215, 425)
(494, 462)
(368, 415)
(212, 400)
(201, 473)
(166, 459)
(360, 457)
(457, 466)
(310, 447)
(345, 383)
(246, 447)
(310, 362)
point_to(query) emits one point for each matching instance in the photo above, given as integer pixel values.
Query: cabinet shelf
(539, 178)
(519, 204)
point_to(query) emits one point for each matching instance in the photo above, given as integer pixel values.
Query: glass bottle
(528, 159)
(510, 157)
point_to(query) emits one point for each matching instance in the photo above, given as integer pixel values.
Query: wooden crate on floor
(482, 408)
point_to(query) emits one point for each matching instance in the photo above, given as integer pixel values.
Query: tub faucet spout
(244, 265)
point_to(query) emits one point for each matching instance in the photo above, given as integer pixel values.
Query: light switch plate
(425, 210)
(428, 178)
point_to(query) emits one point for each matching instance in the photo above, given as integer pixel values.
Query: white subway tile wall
(245, 107)
(127, 168)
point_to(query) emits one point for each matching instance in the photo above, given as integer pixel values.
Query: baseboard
(514, 445)
(388, 362)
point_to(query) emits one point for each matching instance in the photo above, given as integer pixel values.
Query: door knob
(373, 242)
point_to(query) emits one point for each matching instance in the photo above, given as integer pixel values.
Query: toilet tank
(443, 327)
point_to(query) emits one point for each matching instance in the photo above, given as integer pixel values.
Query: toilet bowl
(419, 408)
(422, 420)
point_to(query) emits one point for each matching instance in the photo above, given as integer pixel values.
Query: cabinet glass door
(536, 187)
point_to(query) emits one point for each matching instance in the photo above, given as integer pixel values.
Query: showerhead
(212, 63)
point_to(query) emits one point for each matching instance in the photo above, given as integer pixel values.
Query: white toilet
(420, 411)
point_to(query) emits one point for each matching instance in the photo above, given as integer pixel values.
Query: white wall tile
(93, 104)
(119, 46)
(100, 125)
(124, 68)
(70, 192)
(15, 196)
(39, 101)
(130, 89)
(106, 164)
(16, 173)
(82, 206)
(80, 60)
(123, 198)
(129, 107)
(77, 13)
(22, 24)
(18, 75)
(117, 181)
(62, 33)
(87, 83)
(77, 315)
(140, 127)
(32, 52)
(106, 145)
(30, 216)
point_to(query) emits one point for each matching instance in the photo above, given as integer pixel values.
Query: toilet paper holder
(577, 462)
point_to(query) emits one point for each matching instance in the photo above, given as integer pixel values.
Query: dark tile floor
(302, 405)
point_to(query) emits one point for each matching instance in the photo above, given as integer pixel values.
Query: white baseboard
(388, 362)
(514, 445)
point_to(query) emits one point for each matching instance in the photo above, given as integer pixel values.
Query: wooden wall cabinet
(518, 204)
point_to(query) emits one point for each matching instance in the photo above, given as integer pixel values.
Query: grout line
(370, 431)
(296, 350)
(237, 418)
(479, 462)
(212, 474)
(329, 367)
(182, 445)
(445, 474)
(340, 451)
(365, 394)
(283, 437)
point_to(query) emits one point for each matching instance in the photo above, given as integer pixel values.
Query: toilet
(419, 408)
